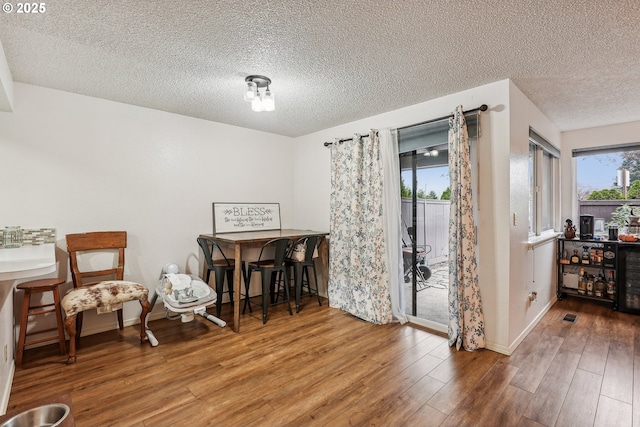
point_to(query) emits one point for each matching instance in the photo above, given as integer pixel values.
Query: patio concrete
(432, 301)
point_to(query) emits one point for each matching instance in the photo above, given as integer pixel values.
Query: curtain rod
(483, 107)
(340, 141)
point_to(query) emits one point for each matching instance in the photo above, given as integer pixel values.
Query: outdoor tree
(634, 190)
(631, 162)
(446, 194)
(583, 192)
(432, 195)
(611, 194)
(404, 191)
(420, 195)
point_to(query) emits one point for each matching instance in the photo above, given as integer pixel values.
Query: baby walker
(185, 295)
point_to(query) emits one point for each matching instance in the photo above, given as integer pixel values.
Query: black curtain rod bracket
(483, 107)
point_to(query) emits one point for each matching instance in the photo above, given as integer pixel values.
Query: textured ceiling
(333, 61)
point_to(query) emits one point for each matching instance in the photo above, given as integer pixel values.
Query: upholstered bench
(104, 296)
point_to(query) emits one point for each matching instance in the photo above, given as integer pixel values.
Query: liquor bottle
(590, 285)
(611, 286)
(585, 255)
(575, 259)
(565, 257)
(582, 283)
(599, 287)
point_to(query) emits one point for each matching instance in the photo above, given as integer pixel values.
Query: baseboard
(444, 330)
(529, 328)
(153, 315)
(507, 351)
(497, 348)
(6, 391)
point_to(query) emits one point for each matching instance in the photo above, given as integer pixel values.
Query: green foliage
(611, 194)
(420, 194)
(634, 190)
(631, 162)
(404, 191)
(446, 194)
(620, 216)
(432, 195)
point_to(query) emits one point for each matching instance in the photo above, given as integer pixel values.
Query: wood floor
(323, 367)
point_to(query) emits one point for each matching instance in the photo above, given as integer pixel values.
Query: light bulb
(434, 153)
(250, 92)
(268, 101)
(256, 104)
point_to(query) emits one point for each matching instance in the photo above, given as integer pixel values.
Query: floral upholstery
(102, 295)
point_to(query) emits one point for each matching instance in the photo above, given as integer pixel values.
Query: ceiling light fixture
(433, 153)
(259, 101)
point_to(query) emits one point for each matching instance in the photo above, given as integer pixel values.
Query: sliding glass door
(425, 217)
(424, 169)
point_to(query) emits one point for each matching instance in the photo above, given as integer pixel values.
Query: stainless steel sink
(41, 416)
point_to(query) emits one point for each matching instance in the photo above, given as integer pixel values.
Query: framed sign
(234, 217)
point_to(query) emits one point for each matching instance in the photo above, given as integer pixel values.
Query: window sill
(535, 241)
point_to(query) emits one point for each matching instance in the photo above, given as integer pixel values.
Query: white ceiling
(333, 61)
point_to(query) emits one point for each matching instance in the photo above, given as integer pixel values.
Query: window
(543, 185)
(608, 182)
(598, 172)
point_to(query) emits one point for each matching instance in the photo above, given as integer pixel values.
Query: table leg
(297, 280)
(237, 280)
(323, 255)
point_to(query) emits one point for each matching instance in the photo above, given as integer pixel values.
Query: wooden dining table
(240, 241)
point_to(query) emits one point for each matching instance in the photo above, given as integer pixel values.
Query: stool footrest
(40, 340)
(36, 312)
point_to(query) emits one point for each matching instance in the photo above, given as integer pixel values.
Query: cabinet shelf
(603, 256)
(574, 292)
(621, 258)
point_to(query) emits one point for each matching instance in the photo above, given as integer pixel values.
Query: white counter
(17, 263)
(27, 261)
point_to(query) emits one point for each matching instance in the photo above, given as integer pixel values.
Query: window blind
(605, 150)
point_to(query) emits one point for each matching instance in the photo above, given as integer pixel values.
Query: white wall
(530, 270)
(312, 187)
(6, 83)
(84, 164)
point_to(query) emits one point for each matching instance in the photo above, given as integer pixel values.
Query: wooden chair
(106, 294)
(221, 267)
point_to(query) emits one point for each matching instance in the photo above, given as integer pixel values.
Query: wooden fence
(432, 219)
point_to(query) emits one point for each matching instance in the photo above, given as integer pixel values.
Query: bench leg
(70, 325)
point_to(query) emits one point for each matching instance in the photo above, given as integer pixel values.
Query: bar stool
(38, 287)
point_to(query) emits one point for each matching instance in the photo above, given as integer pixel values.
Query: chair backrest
(96, 241)
(283, 248)
(209, 246)
(311, 244)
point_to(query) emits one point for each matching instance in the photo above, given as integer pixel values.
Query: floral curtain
(466, 320)
(358, 271)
